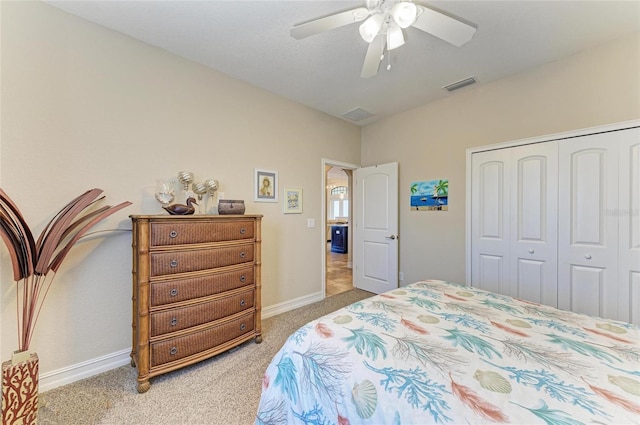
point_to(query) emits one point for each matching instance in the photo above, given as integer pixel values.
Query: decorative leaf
(476, 403)
(472, 343)
(428, 319)
(519, 323)
(508, 329)
(545, 380)
(580, 347)
(629, 385)
(33, 260)
(611, 328)
(412, 326)
(552, 416)
(606, 335)
(323, 330)
(453, 297)
(104, 213)
(286, 378)
(367, 342)
(615, 399)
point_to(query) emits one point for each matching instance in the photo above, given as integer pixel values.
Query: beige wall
(83, 106)
(596, 87)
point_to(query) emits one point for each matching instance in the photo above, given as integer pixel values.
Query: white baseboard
(67, 375)
(276, 309)
(76, 372)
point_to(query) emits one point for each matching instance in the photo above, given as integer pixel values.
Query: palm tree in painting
(440, 190)
(414, 188)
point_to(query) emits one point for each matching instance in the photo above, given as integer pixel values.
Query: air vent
(460, 84)
(357, 114)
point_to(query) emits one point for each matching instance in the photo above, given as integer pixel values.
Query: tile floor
(339, 277)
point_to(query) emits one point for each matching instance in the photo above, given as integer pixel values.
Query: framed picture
(431, 195)
(292, 203)
(265, 185)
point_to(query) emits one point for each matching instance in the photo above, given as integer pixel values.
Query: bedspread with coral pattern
(437, 352)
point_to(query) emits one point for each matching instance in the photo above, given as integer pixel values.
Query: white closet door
(534, 223)
(490, 220)
(629, 219)
(588, 233)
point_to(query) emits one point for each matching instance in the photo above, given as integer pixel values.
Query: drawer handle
(243, 278)
(174, 321)
(243, 230)
(243, 303)
(173, 263)
(243, 327)
(173, 234)
(174, 292)
(173, 351)
(243, 254)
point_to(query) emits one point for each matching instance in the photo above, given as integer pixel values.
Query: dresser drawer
(181, 261)
(186, 289)
(182, 233)
(185, 317)
(177, 348)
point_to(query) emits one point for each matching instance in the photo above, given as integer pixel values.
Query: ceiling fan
(383, 23)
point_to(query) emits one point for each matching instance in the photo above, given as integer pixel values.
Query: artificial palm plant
(35, 262)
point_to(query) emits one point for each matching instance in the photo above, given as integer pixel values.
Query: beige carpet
(223, 390)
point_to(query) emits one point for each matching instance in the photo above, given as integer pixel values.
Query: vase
(20, 389)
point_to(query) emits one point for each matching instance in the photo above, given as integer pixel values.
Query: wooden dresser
(196, 289)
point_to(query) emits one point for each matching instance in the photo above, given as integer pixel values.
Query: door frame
(528, 141)
(323, 222)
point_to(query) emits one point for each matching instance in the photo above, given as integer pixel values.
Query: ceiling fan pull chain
(388, 60)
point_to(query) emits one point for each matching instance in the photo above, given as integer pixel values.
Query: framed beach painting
(292, 203)
(430, 195)
(265, 185)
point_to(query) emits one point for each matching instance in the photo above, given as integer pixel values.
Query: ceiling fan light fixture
(395, 38)
(370, 28)
(404, 13)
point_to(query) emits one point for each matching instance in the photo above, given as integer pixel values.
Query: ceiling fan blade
(328, 23)
(444, 27)
(372, 59)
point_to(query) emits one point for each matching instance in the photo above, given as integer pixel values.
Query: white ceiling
(250, 41)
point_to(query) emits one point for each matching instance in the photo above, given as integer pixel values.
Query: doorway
(338, 230)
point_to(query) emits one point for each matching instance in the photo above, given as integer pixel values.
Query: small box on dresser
(196, 289)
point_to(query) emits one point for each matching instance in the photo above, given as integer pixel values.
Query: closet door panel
(588, 234)
(490, 221)
(534, 203)
(629, 229)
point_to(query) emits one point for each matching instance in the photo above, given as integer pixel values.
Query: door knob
(392, 237)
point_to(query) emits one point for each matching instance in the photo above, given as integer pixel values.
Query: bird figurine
(181, 209)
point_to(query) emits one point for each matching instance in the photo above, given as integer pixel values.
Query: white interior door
(588, 231)
(376, 228)
(629, 226)
(534, 223)
(490, 224)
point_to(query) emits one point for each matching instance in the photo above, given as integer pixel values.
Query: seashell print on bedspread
(436, 352)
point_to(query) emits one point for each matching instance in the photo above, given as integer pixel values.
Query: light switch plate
(311, 222)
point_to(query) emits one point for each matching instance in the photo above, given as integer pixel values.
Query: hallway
(339, 277)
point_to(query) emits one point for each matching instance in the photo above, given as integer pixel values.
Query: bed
(439, 352)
